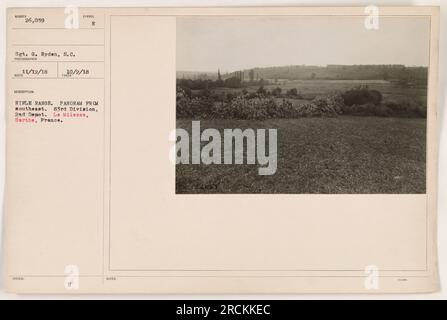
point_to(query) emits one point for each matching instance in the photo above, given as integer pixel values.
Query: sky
(236, 43)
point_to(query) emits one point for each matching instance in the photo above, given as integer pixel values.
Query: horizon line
(306, 65)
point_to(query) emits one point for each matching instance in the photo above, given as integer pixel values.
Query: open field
(321, 155)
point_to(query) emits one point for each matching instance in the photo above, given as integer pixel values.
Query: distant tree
(292, 92)
(405, 79)
(261, 90)
(205, 92)
(276, 92)
(187, 91)
(229, 96)
(361, 95)
(241, 75)
(233, 82)
(219, 82)
(251, 75)
(376, 96)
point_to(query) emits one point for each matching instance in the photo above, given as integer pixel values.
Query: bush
(198, 108)
(261, 90)
(376, 96)
(219, 97)
(251, 95)
(193, 107)
(330, 105)
(309, 110)
(182, 103)
(229, 97)
(381, 110)
(407, 108)
(205, 93)
(185, 91)
(259, 106)
(276, 92)
(369, 109)
(361, 95)
(242, 108)
(292, 92)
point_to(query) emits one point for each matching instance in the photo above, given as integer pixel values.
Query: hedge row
(260, 107)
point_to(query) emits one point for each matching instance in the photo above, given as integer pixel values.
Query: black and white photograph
(326, 105)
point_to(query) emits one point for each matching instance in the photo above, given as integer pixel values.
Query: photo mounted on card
(331, 105)
(222, 150)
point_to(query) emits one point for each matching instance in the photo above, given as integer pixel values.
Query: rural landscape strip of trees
(254, 94)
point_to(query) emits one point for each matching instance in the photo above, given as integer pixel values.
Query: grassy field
(321, 155)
